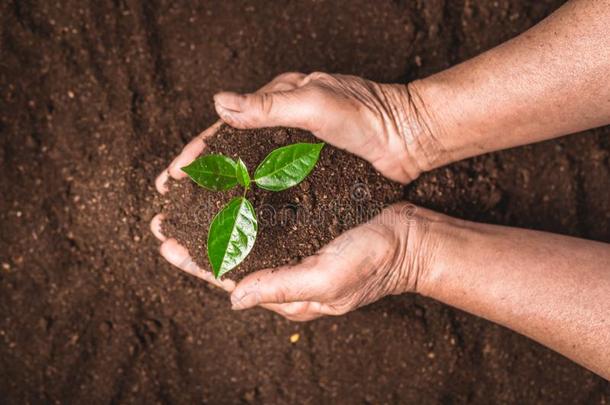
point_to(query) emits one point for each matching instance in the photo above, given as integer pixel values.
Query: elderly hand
(386, 256)
(384, 124)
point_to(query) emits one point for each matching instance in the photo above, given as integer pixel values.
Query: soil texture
(341, 192)
(99, 96)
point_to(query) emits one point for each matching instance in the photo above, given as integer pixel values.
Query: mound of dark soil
(342, 191)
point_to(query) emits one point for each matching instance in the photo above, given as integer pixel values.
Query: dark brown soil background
(341, 192)
(98, 96)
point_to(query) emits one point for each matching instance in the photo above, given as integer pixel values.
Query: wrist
(451, 119)
(426, 248)
(414, 133)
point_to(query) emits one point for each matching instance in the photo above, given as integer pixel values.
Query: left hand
(385, 256)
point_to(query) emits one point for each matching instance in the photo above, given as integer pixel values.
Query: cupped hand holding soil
(305, 236)
(343, 191)
(376, 122)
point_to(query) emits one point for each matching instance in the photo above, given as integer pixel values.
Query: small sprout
(233, 230)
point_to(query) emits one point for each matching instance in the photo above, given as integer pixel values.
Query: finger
(155, 227)
(161, 182)
(307, 281)
(283, 82)
(299, 107)
(178, 256)
(186, 156)
(191, 151)
(300, 311)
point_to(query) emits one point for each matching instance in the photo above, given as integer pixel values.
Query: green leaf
(214, 172)
(287, 166)
(232, 235)
(241, 172)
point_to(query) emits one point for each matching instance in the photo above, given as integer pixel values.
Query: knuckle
(293, 309)
(266, 103)
(319, 76)
(320, 92)
(292, 77)
(281, 295)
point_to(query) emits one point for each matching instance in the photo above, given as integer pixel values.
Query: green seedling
(233, 230)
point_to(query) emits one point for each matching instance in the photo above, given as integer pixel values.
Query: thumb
(292, 108)
(306, 281)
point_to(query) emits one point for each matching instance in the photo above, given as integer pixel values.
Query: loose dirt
(342, 191)
(97, 97)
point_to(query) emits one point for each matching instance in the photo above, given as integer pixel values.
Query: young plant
(233, 230)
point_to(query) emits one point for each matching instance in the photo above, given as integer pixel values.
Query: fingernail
(224, 100)
(225, 114)
(246, 301)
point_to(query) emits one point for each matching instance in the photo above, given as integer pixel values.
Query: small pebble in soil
(294, 338)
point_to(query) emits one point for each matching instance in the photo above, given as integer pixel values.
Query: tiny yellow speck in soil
(294, 338)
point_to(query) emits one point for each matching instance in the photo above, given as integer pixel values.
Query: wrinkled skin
(364, 118)
(382, 257)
